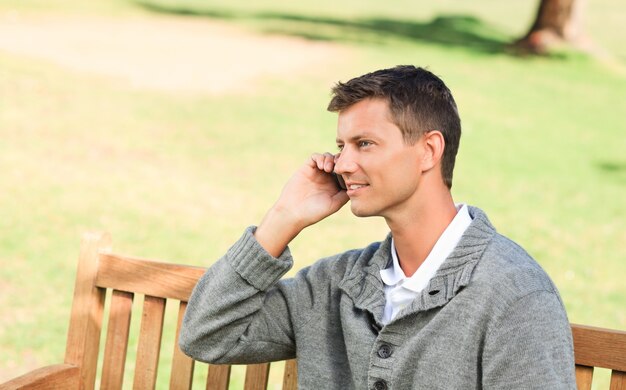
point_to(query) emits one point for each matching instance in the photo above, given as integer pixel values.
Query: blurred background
(173, 124)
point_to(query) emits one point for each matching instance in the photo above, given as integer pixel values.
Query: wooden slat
(584, 377)
(182, 365)
(117, 340)
(290, 377)
(58, 376)
(218, 378)
(618, 380)
(257, 376)
(597, 347)
(149, 344)
(147, 277)
(83, 338)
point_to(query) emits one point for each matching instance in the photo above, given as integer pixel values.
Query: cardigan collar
(365, 287)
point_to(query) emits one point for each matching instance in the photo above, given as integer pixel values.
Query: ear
(433, 145)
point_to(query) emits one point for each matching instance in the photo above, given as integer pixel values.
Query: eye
(364, 144)
(340, 147)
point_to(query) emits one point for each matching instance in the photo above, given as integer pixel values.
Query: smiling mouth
(355, 189)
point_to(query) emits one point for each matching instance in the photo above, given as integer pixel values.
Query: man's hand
(308, 197)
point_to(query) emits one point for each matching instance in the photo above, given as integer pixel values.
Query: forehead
(369, 116)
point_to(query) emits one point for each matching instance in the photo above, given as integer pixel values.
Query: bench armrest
(58, 376)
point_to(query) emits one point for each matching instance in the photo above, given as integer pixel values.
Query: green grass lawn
(178, 176)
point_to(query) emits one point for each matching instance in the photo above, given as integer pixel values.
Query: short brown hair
(419, 102)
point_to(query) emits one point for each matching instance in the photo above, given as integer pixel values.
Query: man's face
(381, 171)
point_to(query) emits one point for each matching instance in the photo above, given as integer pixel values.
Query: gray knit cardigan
(490, 318)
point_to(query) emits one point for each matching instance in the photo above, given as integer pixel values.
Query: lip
(352, 192)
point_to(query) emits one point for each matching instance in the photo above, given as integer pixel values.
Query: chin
(361, 211)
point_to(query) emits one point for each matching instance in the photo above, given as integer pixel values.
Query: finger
(329, 162)
(318, 161)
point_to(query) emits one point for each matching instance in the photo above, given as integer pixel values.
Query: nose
(344, 163)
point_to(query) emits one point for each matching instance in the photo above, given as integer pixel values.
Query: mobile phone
(339, 180)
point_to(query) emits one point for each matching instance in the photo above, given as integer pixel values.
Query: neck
(416, 233)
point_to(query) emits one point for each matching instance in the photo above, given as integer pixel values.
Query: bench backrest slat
(157, 279)
(584, 377)
(257, 376)
(149, 344)
(618, 380)
(83, 336)
(218, 378)
(290, 377)
(597, 347)
(182, 365)
(117, 340)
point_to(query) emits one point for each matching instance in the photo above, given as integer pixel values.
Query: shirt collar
(450, 237)
(393, 274)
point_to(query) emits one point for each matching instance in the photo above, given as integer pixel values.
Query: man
(444, 302)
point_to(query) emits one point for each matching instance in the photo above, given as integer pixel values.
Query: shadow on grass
(460, 31)
(614, 169)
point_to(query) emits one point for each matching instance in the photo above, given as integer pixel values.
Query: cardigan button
(384, 351)
(380, 385)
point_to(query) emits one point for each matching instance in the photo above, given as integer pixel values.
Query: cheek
(393, 168)
(405, 167)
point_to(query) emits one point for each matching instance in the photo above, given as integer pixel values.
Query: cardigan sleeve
(237, 314)
(530, 346)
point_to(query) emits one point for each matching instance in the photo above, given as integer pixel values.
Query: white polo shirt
(400, 290)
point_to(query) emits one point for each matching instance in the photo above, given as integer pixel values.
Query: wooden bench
(100, 270)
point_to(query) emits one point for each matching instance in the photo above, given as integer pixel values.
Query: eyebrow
(358, 137)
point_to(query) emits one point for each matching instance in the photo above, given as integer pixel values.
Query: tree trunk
(558, 22)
